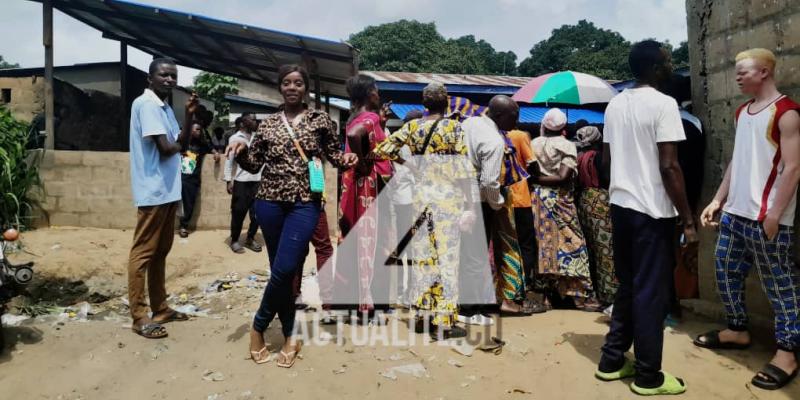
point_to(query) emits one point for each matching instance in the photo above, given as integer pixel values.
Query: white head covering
(554, 120)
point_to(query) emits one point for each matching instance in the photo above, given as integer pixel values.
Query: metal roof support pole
(327, 102)
(49, 102)
(123, 89)
(317, 94)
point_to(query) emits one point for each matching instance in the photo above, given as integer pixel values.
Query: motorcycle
(12, 277)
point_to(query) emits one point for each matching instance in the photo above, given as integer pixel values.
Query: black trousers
(526, 235)
(244, 196)
(190, 188)
(643, 259)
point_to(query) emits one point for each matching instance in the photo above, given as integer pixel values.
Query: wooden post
(123, 90)
(317, 93)
(49, 102)
(327, 102)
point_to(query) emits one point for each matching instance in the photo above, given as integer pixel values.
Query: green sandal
(626, 371)
(671, 385)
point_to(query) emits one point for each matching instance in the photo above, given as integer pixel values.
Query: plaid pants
(742, 243)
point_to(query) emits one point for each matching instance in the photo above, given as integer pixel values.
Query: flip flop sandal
(173, 316)
(151, 331)
(626, 371)
(258, 356)
(671, 385)
(710, 340)
(286, 356)
(533, 307)
(495, 346)
(775, 378)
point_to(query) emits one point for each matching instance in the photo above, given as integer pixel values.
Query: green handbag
(316, 175)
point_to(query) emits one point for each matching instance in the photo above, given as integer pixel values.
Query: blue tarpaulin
(527, 114)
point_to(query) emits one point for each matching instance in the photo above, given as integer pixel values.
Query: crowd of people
(489, 221)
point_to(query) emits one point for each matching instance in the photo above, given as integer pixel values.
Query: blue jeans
(287, 229)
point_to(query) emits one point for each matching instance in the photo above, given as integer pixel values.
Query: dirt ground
(548, 356)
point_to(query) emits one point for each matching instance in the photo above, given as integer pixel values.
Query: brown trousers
(152, 241)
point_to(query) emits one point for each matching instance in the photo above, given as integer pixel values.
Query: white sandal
(261, 359)
(294, 354)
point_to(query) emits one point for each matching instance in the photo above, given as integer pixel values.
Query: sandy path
(550, 356)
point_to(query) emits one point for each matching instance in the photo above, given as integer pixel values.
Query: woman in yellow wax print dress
(439, 200)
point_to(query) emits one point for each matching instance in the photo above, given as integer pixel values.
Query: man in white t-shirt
(243, 187)
(642, 129)
(759, 193)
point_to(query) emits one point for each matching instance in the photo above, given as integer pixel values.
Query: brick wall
(718, 30)
(92, 189)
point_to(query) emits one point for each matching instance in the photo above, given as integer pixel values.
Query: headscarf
(587, 136)
(553, 120)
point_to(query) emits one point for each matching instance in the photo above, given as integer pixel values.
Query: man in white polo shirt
(643, 127)
(759, 193)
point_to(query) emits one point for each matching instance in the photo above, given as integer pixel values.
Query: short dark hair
(158, 62)
(644, 56)
(219, 129)
(359, 88)
(581, 123)
(287, 69)
(237, 122)
(246, 113)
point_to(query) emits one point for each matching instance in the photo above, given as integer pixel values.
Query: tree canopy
(582, 47)
(413, 46)
(6, 64)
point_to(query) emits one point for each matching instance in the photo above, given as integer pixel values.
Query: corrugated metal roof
(213, 45)
(448, 79)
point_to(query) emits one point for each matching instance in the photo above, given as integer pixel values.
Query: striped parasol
(566, 87)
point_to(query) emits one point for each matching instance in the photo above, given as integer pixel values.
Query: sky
(514, 25)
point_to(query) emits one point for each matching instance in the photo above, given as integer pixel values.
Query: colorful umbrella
(566, 87)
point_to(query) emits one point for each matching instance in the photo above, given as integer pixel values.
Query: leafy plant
(20, 184)
(214, 87)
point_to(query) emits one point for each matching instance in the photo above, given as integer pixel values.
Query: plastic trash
(455, 363)
(462, 347)
(212, 376)
(84, 310)
(416, 370)
(13, 320)
(192, 310)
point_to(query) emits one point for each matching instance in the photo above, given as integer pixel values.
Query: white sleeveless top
(756, 164)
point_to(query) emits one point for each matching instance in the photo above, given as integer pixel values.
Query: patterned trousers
(742, 244)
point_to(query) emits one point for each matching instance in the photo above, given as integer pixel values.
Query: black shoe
(455, 332)
(252, 245)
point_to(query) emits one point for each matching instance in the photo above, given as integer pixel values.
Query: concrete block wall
(718, 30)
(92, 189)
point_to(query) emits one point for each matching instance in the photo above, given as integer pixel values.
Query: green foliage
(214, 87)
(582, 47)
(680, 56)
(6, 64)
(413, 46)
(20, 184)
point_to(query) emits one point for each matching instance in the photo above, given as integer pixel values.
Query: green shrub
(20, 185)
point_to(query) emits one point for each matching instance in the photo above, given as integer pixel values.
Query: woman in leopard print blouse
(286, 208)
